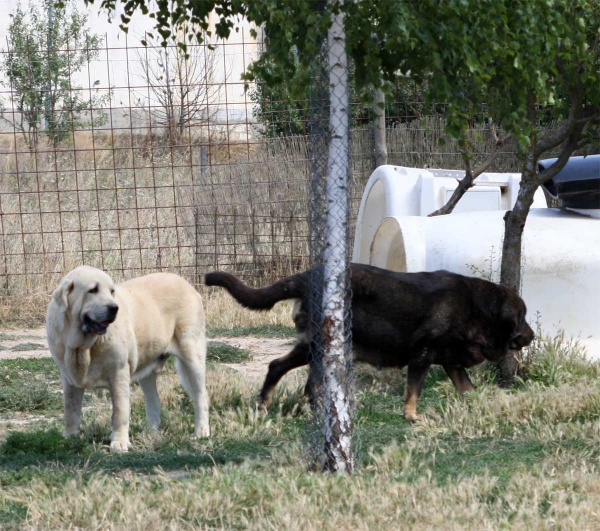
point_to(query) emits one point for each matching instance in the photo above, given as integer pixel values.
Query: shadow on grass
(49, 448)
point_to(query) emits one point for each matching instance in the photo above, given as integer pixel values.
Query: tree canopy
(43, 53)
(496, 55)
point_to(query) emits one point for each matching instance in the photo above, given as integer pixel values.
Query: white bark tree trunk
(336, 399)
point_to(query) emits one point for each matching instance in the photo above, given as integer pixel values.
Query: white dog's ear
(61, 294)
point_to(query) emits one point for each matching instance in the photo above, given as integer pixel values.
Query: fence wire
(186, 174)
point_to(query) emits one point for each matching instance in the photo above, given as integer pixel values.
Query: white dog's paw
(70, 432)
(201, 432)
(119, 446)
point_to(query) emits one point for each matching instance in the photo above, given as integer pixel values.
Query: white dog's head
(87, 296)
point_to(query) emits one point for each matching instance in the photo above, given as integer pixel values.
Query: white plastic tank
(561, 249)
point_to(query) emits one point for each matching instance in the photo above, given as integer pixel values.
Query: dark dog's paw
(412, 417)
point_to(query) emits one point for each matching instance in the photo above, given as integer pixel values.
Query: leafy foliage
(496, 54)
(284, 115)
(46, 46)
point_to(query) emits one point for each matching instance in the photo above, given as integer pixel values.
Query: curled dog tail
(294, 287)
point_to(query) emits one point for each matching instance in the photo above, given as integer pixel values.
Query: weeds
(489, 272)
(553, 360)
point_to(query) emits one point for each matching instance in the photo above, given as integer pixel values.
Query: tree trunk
(336, 399)
(381, 154)
(512, 246)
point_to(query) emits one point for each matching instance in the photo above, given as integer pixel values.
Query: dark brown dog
(400, 319)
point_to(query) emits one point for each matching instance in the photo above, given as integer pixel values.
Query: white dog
(102, 335)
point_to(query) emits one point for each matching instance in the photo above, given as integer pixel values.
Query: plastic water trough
(561, 246)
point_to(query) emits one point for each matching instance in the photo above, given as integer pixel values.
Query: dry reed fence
(132, 205)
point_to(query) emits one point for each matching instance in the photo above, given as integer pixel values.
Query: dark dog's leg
(279, 367)
(314, 384)
(414, 385)
(460, 379)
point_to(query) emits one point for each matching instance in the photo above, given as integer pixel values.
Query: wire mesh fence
(152, 162)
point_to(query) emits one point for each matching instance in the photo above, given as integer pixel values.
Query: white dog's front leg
(73, 399)
(119, 393)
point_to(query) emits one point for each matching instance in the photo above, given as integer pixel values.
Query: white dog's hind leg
(183, 379)
(119, 393)
(73, 398)
(191, 367)
(148, 385)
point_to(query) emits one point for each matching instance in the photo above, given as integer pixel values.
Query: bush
(553, 361)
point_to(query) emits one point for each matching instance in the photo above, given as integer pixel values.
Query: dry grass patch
(224, 313)
(284, 496)
(522, 459)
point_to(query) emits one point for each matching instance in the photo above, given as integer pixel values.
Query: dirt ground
(31, 343)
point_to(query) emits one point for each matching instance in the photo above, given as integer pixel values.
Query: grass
(13, 337)
(223, 353)
(226, 318)
(30, 385)
(273, 331)
(24, 347)
(527, 458)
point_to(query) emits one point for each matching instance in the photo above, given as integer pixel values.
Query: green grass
(30, 385)
(268, 331)
(47, 443)
(15, 337)
(220, 352)
(33, 385)
(24, 347)
(493, 459)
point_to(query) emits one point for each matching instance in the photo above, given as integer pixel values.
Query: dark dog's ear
(61, 294)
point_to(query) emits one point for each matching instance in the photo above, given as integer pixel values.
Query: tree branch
(555, 138)
(468, 180)
(563, 158)
(590, 114)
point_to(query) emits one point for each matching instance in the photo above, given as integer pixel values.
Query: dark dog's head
(512, 332)
(506, 326)
(514, 312)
